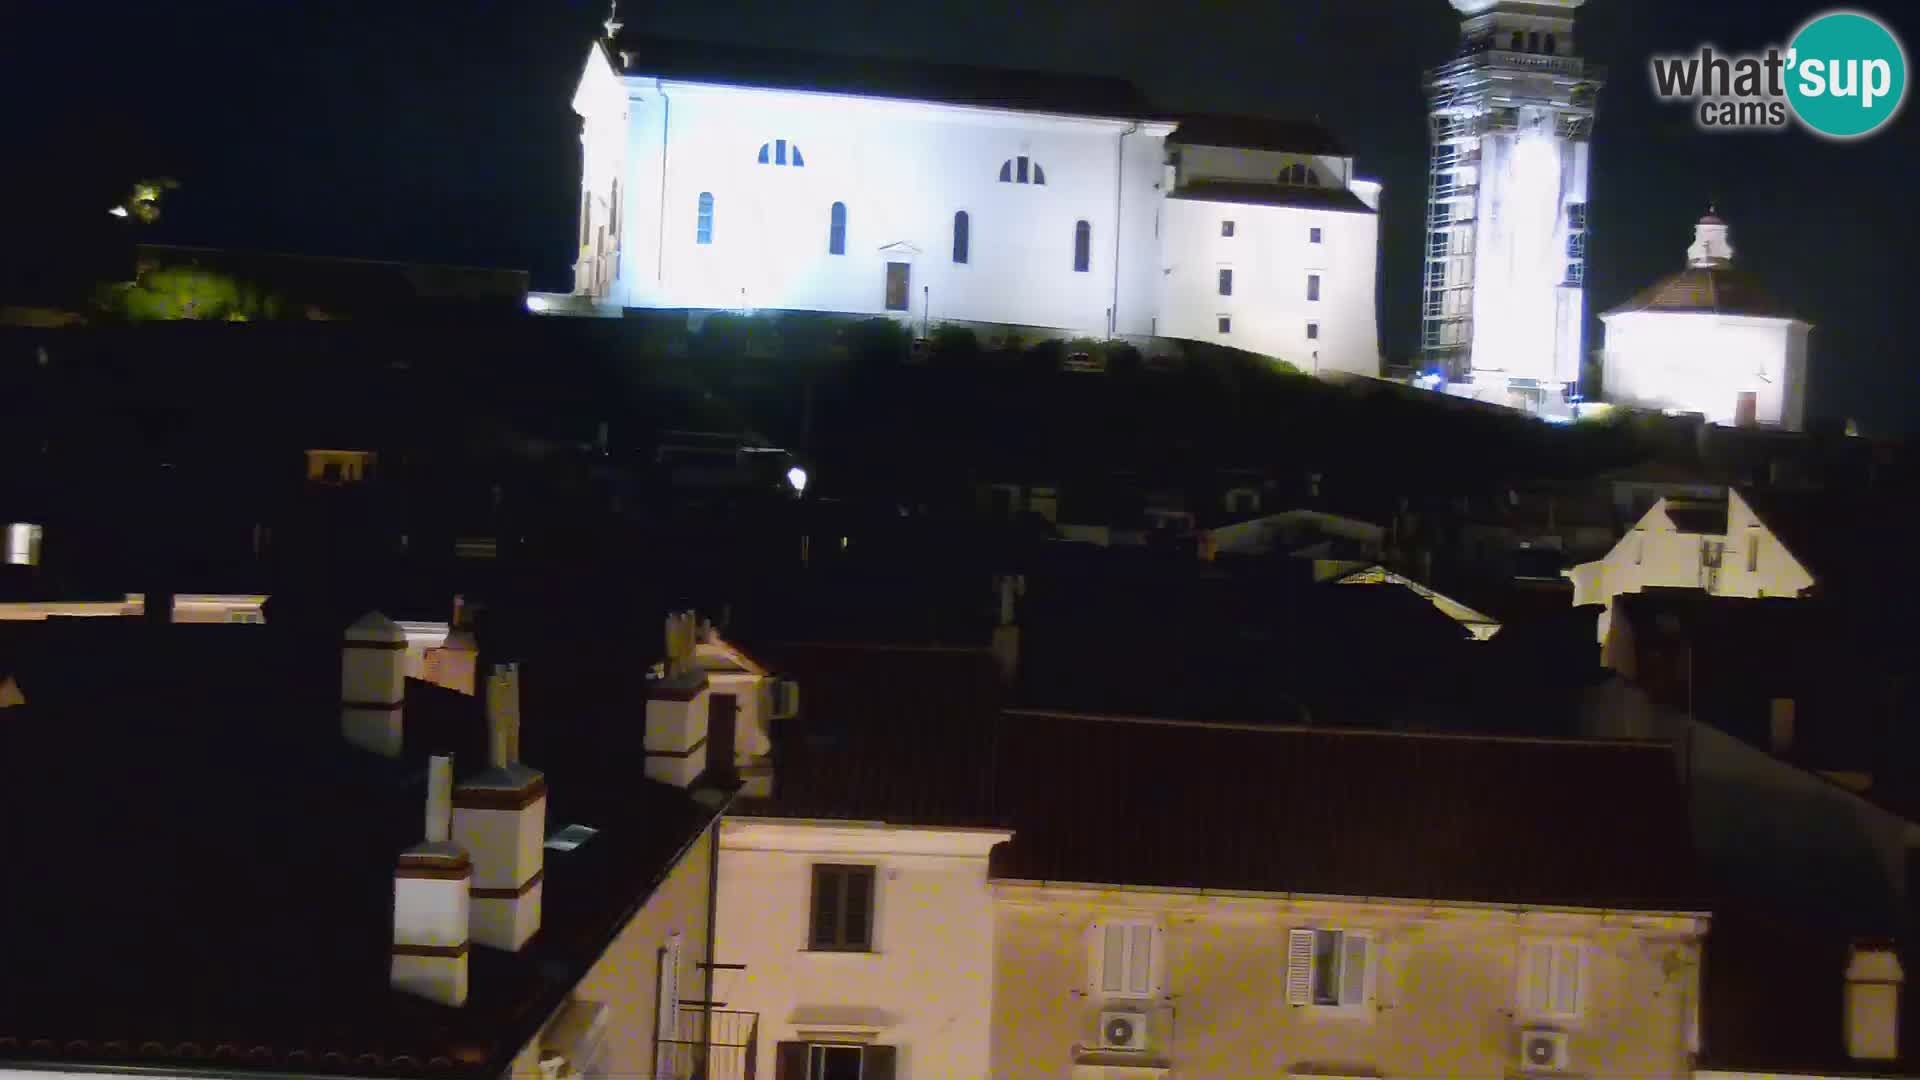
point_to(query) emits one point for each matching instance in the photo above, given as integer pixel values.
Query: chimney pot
(373, 684)
(503, 715)
(1874, 976)
(439, 799)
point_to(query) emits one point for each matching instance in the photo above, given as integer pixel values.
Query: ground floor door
(897, 279)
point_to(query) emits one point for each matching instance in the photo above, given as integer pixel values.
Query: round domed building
(1710, 340)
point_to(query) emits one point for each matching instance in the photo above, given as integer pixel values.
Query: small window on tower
(1577, 245)
(1313, 286)
(1313, 331)
(1226, 281)
(1314, 235)
(1577, 215)
(1226, 324)
(1226, 228)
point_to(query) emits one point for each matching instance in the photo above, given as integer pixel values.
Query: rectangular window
(1313, 235)
(842, 916)
(1226, 324)
(1313, 286)
(1123, 958)
(1437, 245)
(1313, 331)
(779, 151)
(1020, 165)
(833, 1061)
(1436, 274)
(1328, 968)
(1753, 551)
(1226, 228)
(1226, 281)
(1576, 273)
(1577, 245)
(1552, 979)
(1577, 215)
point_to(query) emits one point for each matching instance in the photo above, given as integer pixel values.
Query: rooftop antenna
(613, 23)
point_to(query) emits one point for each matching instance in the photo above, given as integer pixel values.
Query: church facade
(733, 179)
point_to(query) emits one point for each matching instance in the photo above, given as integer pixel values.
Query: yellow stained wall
(625, 977)
(1444, 1000)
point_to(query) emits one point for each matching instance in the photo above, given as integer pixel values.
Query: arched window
(703, 224)
(1299, 175)
(1519, 45)
(1082, 247)
(1553, 47)
(613, 211)
(1533, 41)
(960, 238)
(837, 230)
(1022, 170)
(781, 152)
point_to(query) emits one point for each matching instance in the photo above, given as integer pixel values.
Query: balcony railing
(726, 1053)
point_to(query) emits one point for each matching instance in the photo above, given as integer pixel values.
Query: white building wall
(1521, 313)
(1272, 254)
(1653, 554)
(1701, 362)
(926, 988)
(903, 169)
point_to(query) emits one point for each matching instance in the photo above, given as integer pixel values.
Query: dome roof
(1719, 290)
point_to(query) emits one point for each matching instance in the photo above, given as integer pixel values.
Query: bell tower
(1503, 309)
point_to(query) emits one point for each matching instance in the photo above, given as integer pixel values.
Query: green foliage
(878, 339)
(1122, 358)
(188, 292)
(955, 341)
(1050, 352)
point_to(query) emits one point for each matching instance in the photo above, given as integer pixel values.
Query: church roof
(873, 76)
(1256, 133)
(1713, 290)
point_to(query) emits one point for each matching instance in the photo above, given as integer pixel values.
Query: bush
(722, 336)
(1122, 358)
(951, 340)
(878, 339)
(1050, 352)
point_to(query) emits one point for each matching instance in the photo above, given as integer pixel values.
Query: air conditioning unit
(1543, 1050)
(1123, 1030)
(786, 699)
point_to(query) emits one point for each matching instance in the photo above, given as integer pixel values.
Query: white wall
(927, 988)
(1655, 554)
(903, 169)
(1271, 254)
(1700, 362)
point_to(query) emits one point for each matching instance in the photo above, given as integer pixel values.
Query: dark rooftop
(1720, 291)
(1825, 532)
(872, 76)
(213, 863)
(1696, 517)
(916, 737)
(1256, 133)
(1258, 194)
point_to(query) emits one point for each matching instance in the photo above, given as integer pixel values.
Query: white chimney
(431, 904)
(373, 684)
(500, 819)
(1874, 976)
(676, 735)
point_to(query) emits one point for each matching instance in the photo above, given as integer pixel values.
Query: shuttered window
(1329, 968)
(842, 915)
(1124, 959)
(1552, 979)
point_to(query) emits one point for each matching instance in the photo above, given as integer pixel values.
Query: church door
(897, 286)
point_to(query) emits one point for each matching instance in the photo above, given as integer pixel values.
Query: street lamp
(797, 476)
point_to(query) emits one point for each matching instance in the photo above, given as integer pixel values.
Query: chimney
(1006, 632)
(500, 820)
(1874, 976)
(677, 705)
(453, 664)
(373, 684)
(431, 903)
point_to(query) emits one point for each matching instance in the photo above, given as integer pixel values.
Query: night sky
(441, 131)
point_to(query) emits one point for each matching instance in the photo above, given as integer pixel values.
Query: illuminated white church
(1710, 340)
(724, 178)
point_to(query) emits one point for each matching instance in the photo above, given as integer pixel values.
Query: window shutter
(878, 1062)
(1536, 963)
(826, 906)
(1113, 959)
(1299, 967)
(1353, 969)
(1140, 960)
(857, 898)
(790, 1061)
(1566, 980)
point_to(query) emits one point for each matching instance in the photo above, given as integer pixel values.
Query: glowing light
(23, 544)
(537, 304)
(118, 211)
(797, 476)
(1521, 262)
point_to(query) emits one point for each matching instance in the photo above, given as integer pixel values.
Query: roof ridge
(1304, 729)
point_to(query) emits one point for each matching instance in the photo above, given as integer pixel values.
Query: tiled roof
(1720, 291)
(918, 738)
(1256, 133)
(1259, 194)
(871, 76)
(212, 882)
